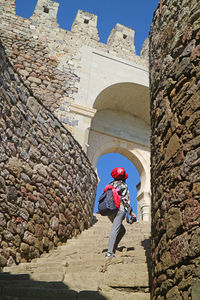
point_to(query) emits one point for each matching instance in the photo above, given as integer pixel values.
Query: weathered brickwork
(175, 149)
(47, 185)
(49, 58)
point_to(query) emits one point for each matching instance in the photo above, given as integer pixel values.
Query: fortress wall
(49, 58)
(28, 49)
(47, 184)
(175, 149)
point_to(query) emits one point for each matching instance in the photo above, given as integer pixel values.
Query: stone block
(34, 79)
(194, 243)
(196, 188)
(166, 260)
(33, 106)
(172, 147)
(173, 294)
(14, 165)
(190, 213)
(179, 248)
(195, 289)
(3, 261)
(173, 221)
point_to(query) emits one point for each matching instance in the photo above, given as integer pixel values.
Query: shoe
(108, 255)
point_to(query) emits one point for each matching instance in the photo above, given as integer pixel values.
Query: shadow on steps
(22, 287)
(94, 220)
(147, 247)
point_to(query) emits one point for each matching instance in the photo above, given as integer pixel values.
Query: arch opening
(121, 125)
(105, 164)
(141, 165)
(127, 97)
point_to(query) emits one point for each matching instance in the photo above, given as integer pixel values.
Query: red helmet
(119, 173)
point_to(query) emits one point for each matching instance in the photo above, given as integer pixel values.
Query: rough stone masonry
(35, 184)
(47, 184)
(49, 58)
(175, 149)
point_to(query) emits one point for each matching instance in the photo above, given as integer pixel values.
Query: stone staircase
(78, 270)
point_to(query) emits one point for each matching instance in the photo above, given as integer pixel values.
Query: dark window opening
(124, 36)
(86, 21)
(46, 9)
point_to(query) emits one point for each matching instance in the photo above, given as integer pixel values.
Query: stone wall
(47, 185)
(175, 149)
(49, 58)
(80, 79)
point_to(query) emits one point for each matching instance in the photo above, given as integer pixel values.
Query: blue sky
(134, 14)
(106, 163)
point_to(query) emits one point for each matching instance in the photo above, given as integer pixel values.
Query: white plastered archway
(101, 144)
(121, 125)
(112, 109)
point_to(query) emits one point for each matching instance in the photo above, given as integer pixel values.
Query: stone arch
(126, 96)
(105, 79)
(121, 125)
(137, 157)
(134, 156)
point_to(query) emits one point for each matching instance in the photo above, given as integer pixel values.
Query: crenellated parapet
(85, 23)
(122, 37)
(45, 11)
(144, 53)
(44, 23)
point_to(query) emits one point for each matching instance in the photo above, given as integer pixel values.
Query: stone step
(34, 264)
(46, 277)
(74, 268)
(132, 256)
(83, 244)
(121, 268)
(42, 268)
(123, 295)
(96, 248)
(16, 277)
(91, 239)
(96, 240)
(91, 280)
(25, 281)
(83, 280)
(127, 279)
(28, 288)
(135, 258)
(138, 226)
(72, 265)
(79, 270)
(105, 230)
(83, 295)
(97, 218)
(34, 291)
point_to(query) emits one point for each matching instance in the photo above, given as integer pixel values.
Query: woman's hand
(133, 215)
